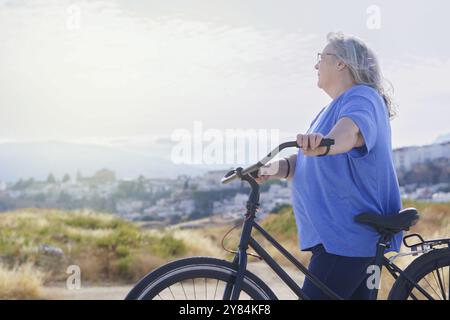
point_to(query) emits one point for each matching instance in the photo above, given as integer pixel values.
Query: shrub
(21, 282)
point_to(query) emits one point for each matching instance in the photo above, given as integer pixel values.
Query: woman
(331, 186)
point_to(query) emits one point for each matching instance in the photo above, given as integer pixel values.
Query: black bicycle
(207, 278)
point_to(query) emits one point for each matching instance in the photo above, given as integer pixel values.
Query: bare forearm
(346, 136)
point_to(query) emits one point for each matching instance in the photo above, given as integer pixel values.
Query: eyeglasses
(320, 55)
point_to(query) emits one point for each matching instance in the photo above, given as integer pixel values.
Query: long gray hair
(363, 65)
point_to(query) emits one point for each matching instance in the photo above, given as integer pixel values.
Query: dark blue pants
(346, 276)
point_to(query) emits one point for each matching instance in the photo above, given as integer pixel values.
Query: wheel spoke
(440, 284)
(179, 291)
(216, 290)
(425, 278)
(193, 284)
(185, 296)
(172, 293)
(188, 284)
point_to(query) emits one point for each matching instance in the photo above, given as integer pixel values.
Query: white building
(185, 206)
(405, 158)
(441, 197)
(275, 196)
(126, 206)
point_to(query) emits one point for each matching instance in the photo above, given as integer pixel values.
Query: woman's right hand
(269, 171)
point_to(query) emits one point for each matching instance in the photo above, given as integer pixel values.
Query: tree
(18, 185)
(140, 190)
(66, 178)
(79, 176)
(51, 178)
(64, 200)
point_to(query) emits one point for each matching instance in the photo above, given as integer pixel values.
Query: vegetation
(105, 247)
(37, 245)
(21, 282)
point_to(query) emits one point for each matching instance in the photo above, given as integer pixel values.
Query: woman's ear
(340, 65)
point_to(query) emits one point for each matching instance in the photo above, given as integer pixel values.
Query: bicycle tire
(177, 271)
(418, 270)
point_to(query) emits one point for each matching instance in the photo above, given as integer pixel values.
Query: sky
(108, 70)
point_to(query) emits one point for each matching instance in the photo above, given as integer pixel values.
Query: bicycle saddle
(390, 224)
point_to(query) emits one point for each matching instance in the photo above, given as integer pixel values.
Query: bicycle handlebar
(230, 176)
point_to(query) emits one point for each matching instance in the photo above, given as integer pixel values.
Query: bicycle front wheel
(197, 278)
(431, 272)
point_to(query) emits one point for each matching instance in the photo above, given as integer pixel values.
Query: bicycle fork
(233, 290)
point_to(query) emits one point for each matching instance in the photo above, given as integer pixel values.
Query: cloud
(116, 66)
(123, 74)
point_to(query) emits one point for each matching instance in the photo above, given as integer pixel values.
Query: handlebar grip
(324, 143)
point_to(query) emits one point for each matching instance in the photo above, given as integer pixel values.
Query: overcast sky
(109, 69)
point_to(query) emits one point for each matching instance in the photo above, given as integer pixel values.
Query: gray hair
(363, 65)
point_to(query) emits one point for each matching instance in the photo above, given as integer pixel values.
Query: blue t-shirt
(327, 192)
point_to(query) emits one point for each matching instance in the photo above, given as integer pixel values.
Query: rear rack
(424, 245)
(420, 247)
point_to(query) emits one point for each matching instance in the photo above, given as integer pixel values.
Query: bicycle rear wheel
(431, 272)
(198, 278)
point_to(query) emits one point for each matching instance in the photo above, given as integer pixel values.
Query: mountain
(38, 159)
(443, 138)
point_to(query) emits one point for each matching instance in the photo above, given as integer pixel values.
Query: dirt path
(87, 293)
(119, 292)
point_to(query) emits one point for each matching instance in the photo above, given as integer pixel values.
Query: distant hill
(443, 138)
(37, 159)
(128, 158)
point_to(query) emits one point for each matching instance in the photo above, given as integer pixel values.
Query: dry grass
(207, 241)
(199, 242)
(21, 282)
(105, 247)
(108, 249)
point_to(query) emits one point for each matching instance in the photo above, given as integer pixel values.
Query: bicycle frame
(233, 290)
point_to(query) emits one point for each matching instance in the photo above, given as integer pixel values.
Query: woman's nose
(316, 66)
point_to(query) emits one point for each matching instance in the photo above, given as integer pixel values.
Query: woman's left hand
(310, 144)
